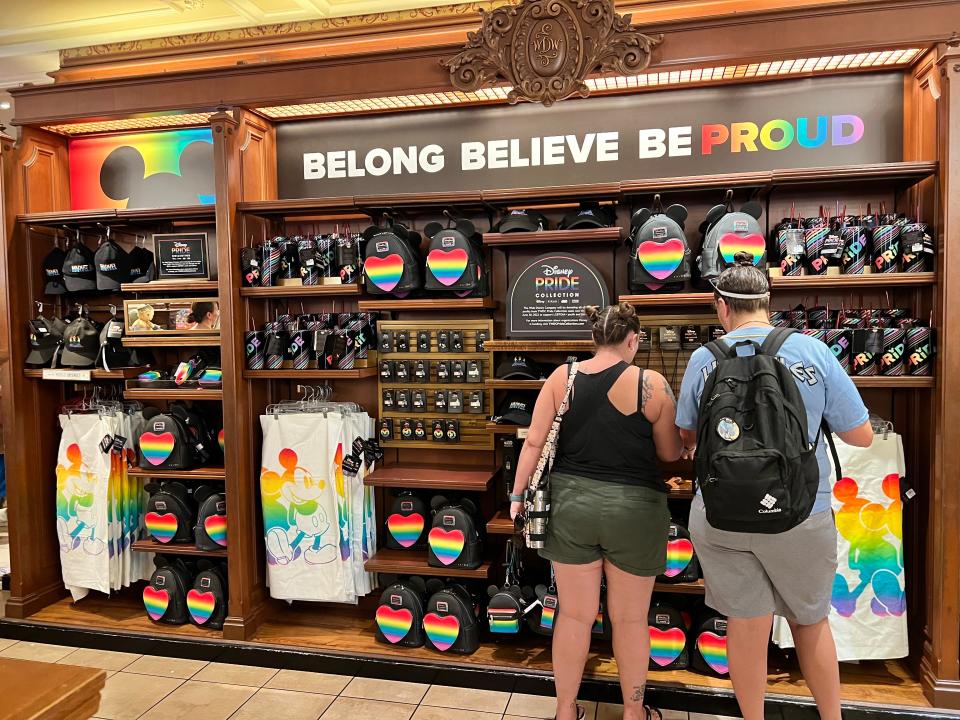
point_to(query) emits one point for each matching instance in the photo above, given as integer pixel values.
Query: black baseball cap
(590, 215)
(113, 266)
(141, 264)
(81, 344)
(53, 272)
(516, 409)
(519, 367)
(523, 221)
(45, 338)
(79, 269)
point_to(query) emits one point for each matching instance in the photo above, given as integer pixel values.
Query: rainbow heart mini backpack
(165, 597)
(669, 643)
(450, 621)
(210, 532)
(454, 261)
(207, 599)
(659, 253)
(710, 647)
(727, 232)
(508, 605)
(170, 512)
(682, 563)
(400, 613)
(542, 615)
(392, 260)
(407, 523)
(454, 541)
(165, 443)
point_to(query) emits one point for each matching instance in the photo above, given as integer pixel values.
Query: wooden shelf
(497, 384)
(115, 216)
(354, 374)
(304, 291)
(432, 477)
(414, 562)
(180, 341)
(501, 524)
(175, 549)
(172, 394)
(668, 299)
(613, 236)
(694, 588)
(165, 286)
(430, 444)
(852, 282)
(201, 473)
(98, 374)
(904, 381)
(504, 429)
(396, 305)
(538, 345)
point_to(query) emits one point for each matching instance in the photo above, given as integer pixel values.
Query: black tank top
(600, 442)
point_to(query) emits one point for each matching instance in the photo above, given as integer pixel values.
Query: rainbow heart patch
(394, 624)
(598, 624)
(666, 645)
(713, 648)
(446, 544)
(447, 266)
(660, 259)
(679, 555)
(216, 528)
(161, 527)
(156, 448)
(547, 618)
(442, 631)
(731, 243)
(406, 529)
(386, 272)
(220, 440)
(156, 602)
(201, 605)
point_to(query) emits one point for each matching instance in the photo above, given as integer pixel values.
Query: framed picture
(181, 255)
(182, 316)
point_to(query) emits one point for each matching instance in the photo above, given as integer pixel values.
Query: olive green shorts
(592, 520)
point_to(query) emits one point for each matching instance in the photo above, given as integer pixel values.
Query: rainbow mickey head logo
(394, 624)
(666, 645)
(447, 266)
(442, 631)
(713, 648)
(216, 528)
(661, 259)
(447, 545)
(156, 602)
(201, 605)
(156, 448)
(386, 272)
(406, 529)
(161, 527)
(679, 555)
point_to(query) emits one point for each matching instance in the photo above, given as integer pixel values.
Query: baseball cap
(53, 272)
(516, 409)
(81, 344)
(590, 215)
(519, 367)
(79, 269)
(523, 221)
(113, 266)
(141, 263)
(45, 338)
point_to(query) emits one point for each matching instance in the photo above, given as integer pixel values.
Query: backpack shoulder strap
(775, 340)
(718, 349)
(825, 430)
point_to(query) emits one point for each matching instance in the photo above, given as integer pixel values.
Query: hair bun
(592, 312)
(743, 258)
(626, 311)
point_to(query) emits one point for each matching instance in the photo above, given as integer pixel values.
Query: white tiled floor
(144, 687)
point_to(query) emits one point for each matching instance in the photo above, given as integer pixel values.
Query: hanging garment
(868, 612)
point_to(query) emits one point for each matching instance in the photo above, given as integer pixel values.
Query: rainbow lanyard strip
(509, 623)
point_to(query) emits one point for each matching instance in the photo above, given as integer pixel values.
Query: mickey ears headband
(739, 296)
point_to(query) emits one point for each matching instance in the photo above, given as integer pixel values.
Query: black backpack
(454, 261)
(453, 540)
(669, 644)
(542, 616)
(709, 647)
(755, 465)
(392, 260)
(211, 528)
(659, 254)
(170, 512)
(112, 352)
(400, 613)
(726, 232)
(166, 442)
(508, 605)
(682, 563)
(450, 622)
(407, 523)
(207, 599)
(165, 598)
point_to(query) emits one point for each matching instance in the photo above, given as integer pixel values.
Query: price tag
(522, 433)
(71, 375)
(106, 444)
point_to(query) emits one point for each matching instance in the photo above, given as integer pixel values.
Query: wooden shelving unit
(201, 473)
(903, 381)
(852, 282)
(497, 384)
(395, 305)
(693, 588)
(97, 374)
(425, 444)
(609, 236)
(171, 286)
(414, 562)
(189, 341)
(89, 218)
(172, 394)
(174, 549)
(669, 299)
(538, 345)
(504, 429)
(304, 291)
(430, 477)
(354, 374)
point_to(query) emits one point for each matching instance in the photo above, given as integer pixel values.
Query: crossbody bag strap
(549, 451)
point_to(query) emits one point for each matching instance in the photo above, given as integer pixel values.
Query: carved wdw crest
(545, 49)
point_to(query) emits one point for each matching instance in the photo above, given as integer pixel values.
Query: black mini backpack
(392, 261)
(669, 644)
(454, 541)
(659, 253)
(542, 617)
(207, 599)
(727, 232)
(450, 622)
(508, 605)
(710, 647)
(408, 523)
(211, 528)
(166, 442)
(170, 512)
(682, 563)
(165, 598)
(454, 261)
(400, 613)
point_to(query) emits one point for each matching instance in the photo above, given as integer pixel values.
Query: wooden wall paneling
(258, 159)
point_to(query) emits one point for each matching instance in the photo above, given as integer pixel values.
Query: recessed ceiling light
(5, 105)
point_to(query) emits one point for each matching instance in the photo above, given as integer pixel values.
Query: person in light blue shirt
(751, 576)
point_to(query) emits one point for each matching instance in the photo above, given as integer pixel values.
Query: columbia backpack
(755, 465)
(211, 528)
(709, 647)
(408, 522)
(400, 613)
(727, 232)
(392, 260)
(207, 599)
(450, 622)
(170, 512)
(165, 598)
(453, 540)
(166, 442)
(669, 644)
(508, 605)
(454, 260)
(659, 254)
(682, 563)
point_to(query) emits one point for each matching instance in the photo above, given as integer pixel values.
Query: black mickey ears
(122, 171)
(202, 492)
(431, 229)
(492, 590)
(418, 584)
(437, 502)
(753, 209)
(152, 488)
(639, 218)
(434, 585)
(677, 213)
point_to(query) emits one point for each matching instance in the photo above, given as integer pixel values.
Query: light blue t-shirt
(828, 392)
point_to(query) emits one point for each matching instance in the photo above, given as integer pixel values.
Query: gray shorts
(752, 574)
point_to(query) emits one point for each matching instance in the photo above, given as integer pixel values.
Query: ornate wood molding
(545, 49)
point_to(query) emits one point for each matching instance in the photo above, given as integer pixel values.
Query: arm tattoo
(668, 391)
(638, 691)
(647, 392)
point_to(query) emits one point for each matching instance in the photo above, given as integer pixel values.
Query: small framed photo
(181, 255)
(182, 316)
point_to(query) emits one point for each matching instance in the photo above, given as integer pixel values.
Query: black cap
(519, 367)
(113, 266)
(45, 338)
(523, 221)
(79, 269)
(141, 264)
(81, 344)
(516, 409)
(53, 272)
(590, 215)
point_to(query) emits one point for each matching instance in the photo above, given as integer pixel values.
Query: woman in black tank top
(608, 513)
